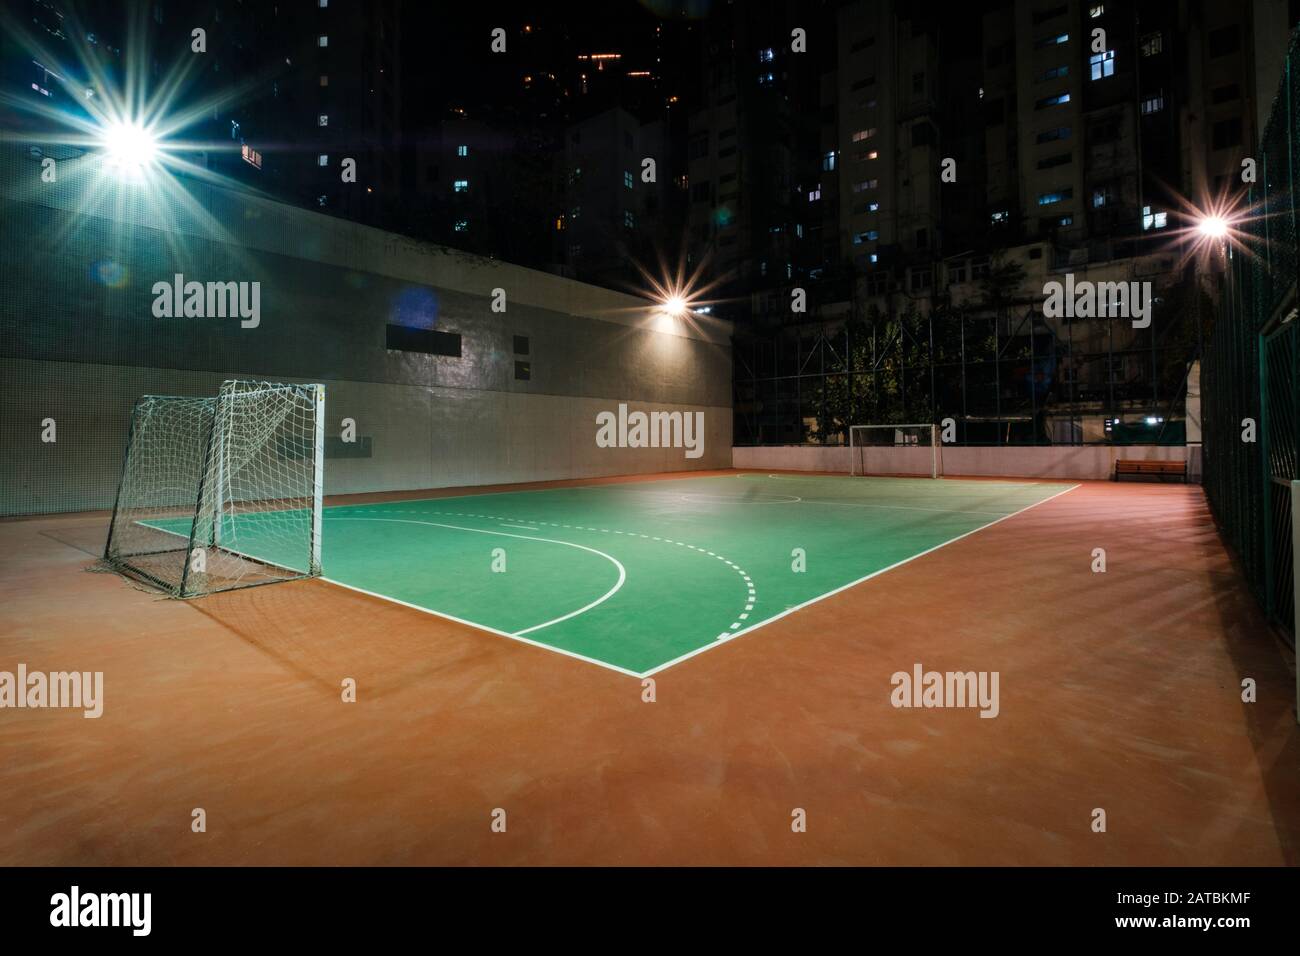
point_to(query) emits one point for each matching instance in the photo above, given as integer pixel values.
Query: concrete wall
(1054, 461)
(79, 342)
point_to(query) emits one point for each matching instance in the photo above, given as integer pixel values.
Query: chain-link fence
(1250, 385)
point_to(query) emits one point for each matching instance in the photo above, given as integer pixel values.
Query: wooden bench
(1158, 469)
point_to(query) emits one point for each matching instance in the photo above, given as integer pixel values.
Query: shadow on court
(326, 634)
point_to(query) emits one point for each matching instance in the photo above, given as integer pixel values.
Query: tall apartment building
(323, 76)
(1070, 147)
(755, 163)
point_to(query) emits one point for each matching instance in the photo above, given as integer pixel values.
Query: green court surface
(639, 576)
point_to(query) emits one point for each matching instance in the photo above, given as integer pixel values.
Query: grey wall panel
(79, 342)
(420, 437)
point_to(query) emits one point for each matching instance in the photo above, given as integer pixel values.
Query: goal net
(223, 492)
(894, 450)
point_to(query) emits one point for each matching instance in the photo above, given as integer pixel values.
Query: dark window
(1036, 253)
(521, 345)
(1227, 133)
(1042, 16)
(1224, 40)
(922, 134)
(922, 239)
(699, 146)
(1047, 135)
(724, 153)
(918, 82)
(429, 341)
(863, 84)
(523, 371)
(702, 192)
(862, 44)
(994, 111)
(1225, 94)
(1059, 160)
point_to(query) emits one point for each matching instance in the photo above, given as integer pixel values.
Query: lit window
(1001, 215)
(323, 3)
(628, 219)
(323, 119)
(462, 150)
(322, 40)
(1156, 220)
(873, 207)
(1047, 199)
(1056, 40)
(828, 161)
(1047, 101)
(1152, 44)
(627, 179)
(1065, 221)
(1103, 64)
(874, 257)
(815, 194)
(1153, 104)
(1098, 198)
(871, 155)
(323, 159)
(575, 212)
(765, 56)
(869, 236)
(461, 225)
(461, 185)
(324, 80)
(1096, 10)
(862, 134)
(864, 185)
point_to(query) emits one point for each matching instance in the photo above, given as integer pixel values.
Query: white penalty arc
(618, 585)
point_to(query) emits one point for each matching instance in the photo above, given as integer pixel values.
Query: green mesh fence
(1250, 376)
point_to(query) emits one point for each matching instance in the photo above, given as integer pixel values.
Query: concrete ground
(1120, 691)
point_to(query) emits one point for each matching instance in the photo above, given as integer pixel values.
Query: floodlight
(1213, 227)
(129, 146)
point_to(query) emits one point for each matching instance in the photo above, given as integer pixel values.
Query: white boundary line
(484, 627)
(622, 571)
(776, 617)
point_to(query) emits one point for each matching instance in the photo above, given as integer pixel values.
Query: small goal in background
(894, 450)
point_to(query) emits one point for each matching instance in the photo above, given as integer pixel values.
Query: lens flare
(1213, 227)
(129, 146)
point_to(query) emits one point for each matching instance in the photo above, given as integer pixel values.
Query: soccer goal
(894, 450)
(222, 492)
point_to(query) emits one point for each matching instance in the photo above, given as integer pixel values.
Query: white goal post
(222, 492)
(910, 449)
